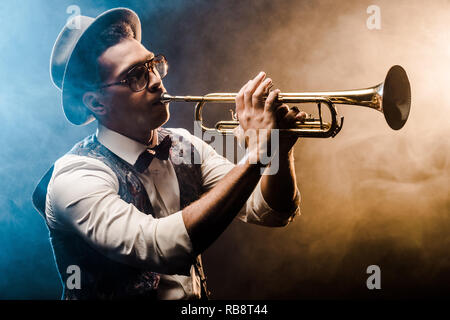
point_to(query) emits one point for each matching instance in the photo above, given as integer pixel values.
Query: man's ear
(92, 102)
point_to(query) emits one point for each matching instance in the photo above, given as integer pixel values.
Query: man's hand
(255, 108)
(259, 112)
(286, 119)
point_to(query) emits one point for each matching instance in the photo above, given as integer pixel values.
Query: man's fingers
(281, 112)
(288, 117)
(260, 93)
(239, 99)
(301, 116)
(271, 105)
(251, 87)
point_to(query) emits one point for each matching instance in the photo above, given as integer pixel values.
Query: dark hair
(89, 73)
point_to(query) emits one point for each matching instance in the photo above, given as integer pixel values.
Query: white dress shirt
(82, 197)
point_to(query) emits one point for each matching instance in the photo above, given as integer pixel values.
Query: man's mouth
(158, 100)
(158, 103)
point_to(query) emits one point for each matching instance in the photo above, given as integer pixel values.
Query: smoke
(369, 196)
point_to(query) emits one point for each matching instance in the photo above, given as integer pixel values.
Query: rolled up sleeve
(83, 198)
(255, 210)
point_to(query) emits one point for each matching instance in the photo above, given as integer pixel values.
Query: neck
(148, 137)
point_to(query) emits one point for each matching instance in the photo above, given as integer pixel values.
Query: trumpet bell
(396, 95)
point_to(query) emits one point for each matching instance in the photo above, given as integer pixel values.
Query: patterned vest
(101, 277)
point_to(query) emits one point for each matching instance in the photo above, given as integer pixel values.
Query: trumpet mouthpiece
(165, 97)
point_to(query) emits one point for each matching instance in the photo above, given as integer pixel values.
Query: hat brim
(74, 109)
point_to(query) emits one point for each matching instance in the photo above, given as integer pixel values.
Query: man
(122, 205)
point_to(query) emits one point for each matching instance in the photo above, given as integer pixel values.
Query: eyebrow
(125, 70)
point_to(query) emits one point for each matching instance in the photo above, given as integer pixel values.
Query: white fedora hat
(63, 68)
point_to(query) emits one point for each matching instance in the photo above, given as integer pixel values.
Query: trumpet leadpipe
(230, 97)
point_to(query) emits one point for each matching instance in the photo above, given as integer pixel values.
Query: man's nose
(154, 82)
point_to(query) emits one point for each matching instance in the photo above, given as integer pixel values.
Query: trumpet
(391, 97)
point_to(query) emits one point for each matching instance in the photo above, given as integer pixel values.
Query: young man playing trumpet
(121, 205)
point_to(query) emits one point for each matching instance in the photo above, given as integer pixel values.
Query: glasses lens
(138, 78)
(160, 66)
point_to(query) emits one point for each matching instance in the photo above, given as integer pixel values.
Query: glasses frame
(150, 67)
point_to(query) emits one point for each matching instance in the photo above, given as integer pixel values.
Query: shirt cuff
(174, 244)
(258, 211)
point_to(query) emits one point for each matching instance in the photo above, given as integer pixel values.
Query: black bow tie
(161, 151)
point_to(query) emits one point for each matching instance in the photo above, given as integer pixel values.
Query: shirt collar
(124, 147)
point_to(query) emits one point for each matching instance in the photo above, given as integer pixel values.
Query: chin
(160, 119)
(165, 120)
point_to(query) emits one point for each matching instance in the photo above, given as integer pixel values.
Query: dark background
(370, 196)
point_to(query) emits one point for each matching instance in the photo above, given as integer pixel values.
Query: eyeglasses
(137, 77)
